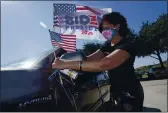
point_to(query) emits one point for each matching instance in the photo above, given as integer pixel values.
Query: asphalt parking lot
(155, 95)
(155, 92)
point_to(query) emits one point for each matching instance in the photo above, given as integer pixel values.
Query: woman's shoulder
(131, 45)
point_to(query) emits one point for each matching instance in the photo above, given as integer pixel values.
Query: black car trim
(13, 105)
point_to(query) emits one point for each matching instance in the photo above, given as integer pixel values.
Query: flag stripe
(68, 44)
(70, 50)
(65, 46)
(92, 10)
(93, 23)
(68, 39)
(72, 43)
(69, 35)
(57, 22)
(81, 8)
(78, 8)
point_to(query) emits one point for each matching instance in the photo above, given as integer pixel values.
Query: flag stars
(64, 8)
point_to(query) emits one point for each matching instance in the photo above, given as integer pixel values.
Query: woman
(125, 88)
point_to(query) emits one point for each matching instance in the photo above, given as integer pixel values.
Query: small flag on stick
(67, 42)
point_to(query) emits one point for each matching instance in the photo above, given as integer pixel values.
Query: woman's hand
(58, 64)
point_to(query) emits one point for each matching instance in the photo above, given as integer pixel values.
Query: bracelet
(80, 65)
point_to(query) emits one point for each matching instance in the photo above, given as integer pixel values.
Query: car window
(29, 62)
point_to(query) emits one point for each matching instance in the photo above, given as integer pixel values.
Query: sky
(22, 36)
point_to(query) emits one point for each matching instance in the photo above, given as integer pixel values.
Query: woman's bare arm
(111, 61)
(96, 55)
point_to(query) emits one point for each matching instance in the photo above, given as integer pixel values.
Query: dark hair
(116, 18)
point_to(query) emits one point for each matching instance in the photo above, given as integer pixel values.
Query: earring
(117, 27)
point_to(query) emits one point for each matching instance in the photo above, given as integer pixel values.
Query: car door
(93, 91)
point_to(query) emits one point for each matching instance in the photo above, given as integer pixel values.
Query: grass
(145, 68)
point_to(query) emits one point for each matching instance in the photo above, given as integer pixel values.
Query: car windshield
(29, 62)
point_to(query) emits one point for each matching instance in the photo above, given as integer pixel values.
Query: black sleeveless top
(123, 77)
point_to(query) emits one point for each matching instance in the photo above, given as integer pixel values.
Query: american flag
(55, 36)
(67, 42)
(61, 9)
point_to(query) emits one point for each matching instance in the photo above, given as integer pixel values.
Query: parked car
(27, 86)
(144, 75)
(160, 72)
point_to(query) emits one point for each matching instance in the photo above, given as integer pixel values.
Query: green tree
(155, 38)
(132, 33)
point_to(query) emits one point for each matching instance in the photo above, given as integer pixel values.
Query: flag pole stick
(60, 78)
(53, 29)
(52, 45)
